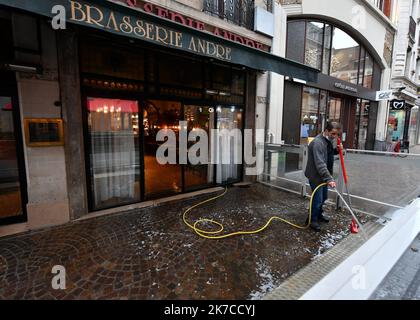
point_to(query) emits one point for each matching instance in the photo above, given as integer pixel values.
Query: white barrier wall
(375, 259)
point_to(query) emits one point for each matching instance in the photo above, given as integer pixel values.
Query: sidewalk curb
(352, 270)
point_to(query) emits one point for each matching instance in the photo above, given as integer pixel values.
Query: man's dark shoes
(315, 226)
(323, 218)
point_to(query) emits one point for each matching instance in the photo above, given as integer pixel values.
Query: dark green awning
(125, 21)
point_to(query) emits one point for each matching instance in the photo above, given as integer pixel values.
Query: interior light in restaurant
(211, 92)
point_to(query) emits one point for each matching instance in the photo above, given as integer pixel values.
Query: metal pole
(354, 216)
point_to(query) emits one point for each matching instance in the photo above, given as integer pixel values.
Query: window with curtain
(114, 153)
(228, 148)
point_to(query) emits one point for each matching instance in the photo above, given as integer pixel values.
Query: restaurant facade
(86, 87)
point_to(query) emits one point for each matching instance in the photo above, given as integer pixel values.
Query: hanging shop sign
(398, 104)
(384, 95)
(192, 22)
(125, 21)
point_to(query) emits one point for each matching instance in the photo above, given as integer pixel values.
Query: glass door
(342, 109)
(200, 120)
(161, 179)
(11, 207)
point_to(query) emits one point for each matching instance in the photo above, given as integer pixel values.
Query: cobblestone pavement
(403, 281)
(150, 254)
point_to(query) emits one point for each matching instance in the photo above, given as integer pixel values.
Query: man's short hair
(333, 125)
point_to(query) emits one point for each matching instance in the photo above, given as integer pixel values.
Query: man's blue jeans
(318, 201)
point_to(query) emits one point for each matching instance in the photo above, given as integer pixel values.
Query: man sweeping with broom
(319, 170)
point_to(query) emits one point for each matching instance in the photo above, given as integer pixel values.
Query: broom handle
(342, 161)
(348, 205)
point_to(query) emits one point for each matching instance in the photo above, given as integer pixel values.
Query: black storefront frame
(141, 97)
(327, 109)
(8, 87)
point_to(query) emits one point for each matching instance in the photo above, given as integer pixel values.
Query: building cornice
(404, 78)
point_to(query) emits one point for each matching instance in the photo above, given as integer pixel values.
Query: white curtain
(227, 147)
(113, 161)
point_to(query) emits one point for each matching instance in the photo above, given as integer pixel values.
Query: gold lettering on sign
(159, 37)
(76, 7)
(228, 54)
(89, 18)
(209, 47)
(130, 25)
(220, 52)
(201, 46)
(178, 37)
(139, 30)
(192, 46)
(126, 26)
(112, 20)
(149, 31)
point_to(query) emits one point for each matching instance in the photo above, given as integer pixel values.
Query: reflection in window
(114, 156)
(362, 65)
(367, 81)
(188, 72)
(10, 196)
(313, 47)
(334, 110)
(345, 57)
(309, 117)
(323, 111)
(327, 49)
(362, 122)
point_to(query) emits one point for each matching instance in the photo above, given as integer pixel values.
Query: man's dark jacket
(320, 160)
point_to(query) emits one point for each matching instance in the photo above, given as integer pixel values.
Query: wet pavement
(150, 254)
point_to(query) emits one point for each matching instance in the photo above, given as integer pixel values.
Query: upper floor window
(240, 12)
(330, 50)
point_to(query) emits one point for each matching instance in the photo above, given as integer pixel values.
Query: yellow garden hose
(216, 234)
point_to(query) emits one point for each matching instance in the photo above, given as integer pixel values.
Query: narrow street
(151, 254)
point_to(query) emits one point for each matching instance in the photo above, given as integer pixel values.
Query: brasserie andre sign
(125, 21)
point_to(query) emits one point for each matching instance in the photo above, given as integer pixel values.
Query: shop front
(344, 92)
(402, 123)
(130, 94)
(116, 79)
